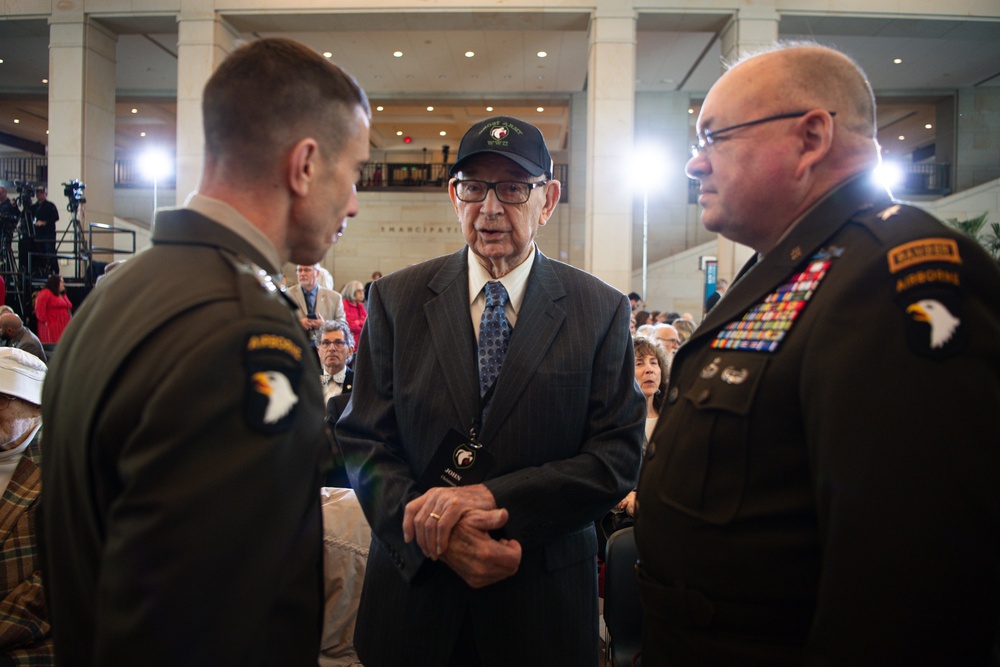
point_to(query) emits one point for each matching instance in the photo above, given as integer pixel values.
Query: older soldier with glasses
(812, 494)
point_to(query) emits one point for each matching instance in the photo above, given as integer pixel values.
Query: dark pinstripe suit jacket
(565, 425)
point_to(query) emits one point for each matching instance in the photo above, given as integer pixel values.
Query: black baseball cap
(514, 139)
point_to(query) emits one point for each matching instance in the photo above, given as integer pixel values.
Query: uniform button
(704, 396)
(672, 395)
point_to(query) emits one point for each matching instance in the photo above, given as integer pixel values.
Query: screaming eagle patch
(934, 325)
(273, 377)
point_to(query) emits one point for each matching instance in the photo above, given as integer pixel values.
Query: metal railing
(31, 169)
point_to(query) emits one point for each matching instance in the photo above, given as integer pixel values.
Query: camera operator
(46, 217)
(9, 212)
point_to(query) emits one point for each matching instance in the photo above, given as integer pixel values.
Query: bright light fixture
(470, 54)
(397, 54)
(542, 54)
(888, 174)
(649, 167)
(154, 164)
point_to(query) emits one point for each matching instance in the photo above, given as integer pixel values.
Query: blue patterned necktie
(310, 302)
(494, 334)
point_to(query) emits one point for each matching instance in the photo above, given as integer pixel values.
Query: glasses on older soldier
(6, 400)
(709, 138)
(328, 343)
(508, 192)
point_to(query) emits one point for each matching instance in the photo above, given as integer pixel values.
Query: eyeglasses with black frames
(508, 192)
(328, 343)
(708, 138)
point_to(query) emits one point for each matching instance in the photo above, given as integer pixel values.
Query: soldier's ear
(301, 166)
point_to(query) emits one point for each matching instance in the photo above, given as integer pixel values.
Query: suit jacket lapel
(450, 324)
(538, 322)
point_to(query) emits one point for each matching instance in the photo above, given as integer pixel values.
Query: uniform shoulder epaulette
(264, 279)
(924, 262)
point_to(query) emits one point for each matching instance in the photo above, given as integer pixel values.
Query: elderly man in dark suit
(486, 433)
(815, 493)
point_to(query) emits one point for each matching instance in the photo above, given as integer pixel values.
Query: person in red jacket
(354, 307)
(53, 310)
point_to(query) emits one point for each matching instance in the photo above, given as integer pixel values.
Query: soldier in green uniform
(187, 443)
(821, 487)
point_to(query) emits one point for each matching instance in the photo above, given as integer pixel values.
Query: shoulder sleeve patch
(934, 326)
(921, 251)
(273, 372)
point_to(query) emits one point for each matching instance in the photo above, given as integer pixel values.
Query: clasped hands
(453, 523)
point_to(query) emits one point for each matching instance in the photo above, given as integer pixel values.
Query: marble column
(81, 120)
(610, 122)
(754, 26)
(203, 41)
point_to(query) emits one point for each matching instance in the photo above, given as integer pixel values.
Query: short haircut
(820, 76)
(334, 325)
(268, 95)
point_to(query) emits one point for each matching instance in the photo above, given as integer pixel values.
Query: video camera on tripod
(25, 190)
(74, 192)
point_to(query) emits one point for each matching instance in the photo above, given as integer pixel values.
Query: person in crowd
(15, 334)
(316, 304)
(667, 336)
(324, 278)
(641, 318)
(721, 285)
(646, 331)
(335, 345)
(46, 217)
(25, 629)
(684, 328)
(354, 307)
(9, 213)
(108, 270)
(635, 301)
(368, 285)
(652, 372)
(53, 309)
(459, 361)
(812, 496)
(185, 436)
